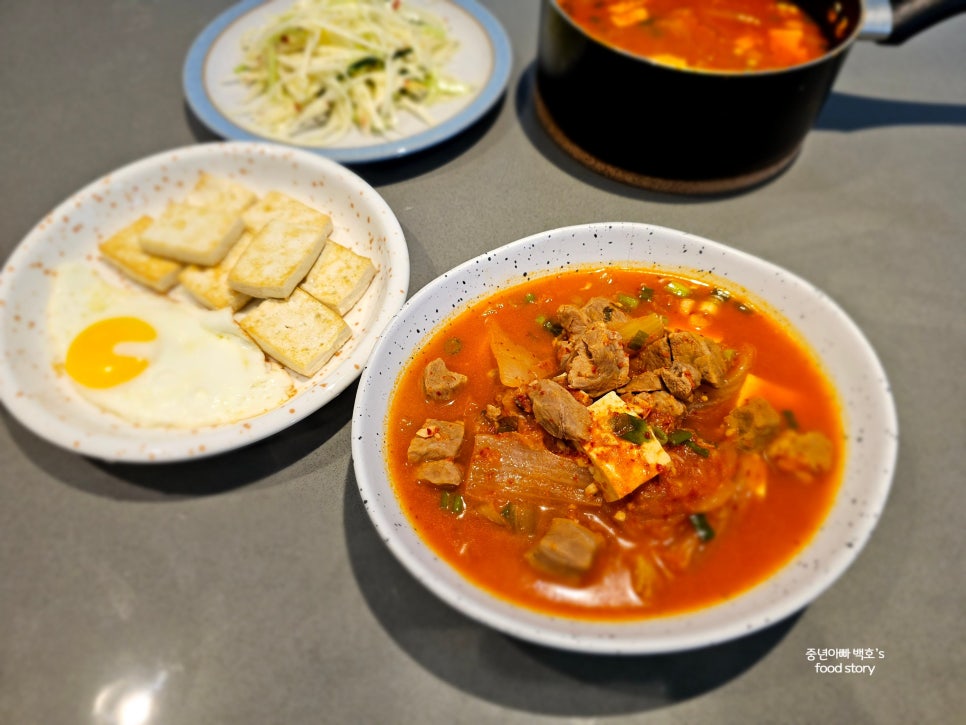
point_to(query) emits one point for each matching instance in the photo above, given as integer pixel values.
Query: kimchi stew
(715, 35)
(615, 443)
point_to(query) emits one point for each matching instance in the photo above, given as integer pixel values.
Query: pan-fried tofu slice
(209, 285)
(278, 258)
(123, 250)
(300, 332)
(191, 234)
(217, 192)
(339, 277)
(276, 205)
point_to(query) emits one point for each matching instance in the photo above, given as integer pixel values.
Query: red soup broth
(761, 535)
(711, 35)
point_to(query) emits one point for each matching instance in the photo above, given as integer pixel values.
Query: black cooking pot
(692, 131)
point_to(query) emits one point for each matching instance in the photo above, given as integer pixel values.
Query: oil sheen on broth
(614, 444)
(711, 35)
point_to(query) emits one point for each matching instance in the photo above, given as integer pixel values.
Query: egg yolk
(91, 357)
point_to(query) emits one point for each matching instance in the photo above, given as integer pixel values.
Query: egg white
(202, 370)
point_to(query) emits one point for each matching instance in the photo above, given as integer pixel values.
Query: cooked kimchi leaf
(692, 484)
(638, 331)
(505, 467)
(516, 364)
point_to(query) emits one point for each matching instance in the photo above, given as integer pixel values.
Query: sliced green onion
(530, 298)
(701, 527)
(722, 295)
(630, 428)
(452, 502)
(552, 327)
(453, 346)
(659, 434)
(645, 294)
(678, 437)
(637, 342)
(364, 64)
(627, 302)
(700, 450)
(678, 289)
(790, 420)
(742, 307)
(651, 325)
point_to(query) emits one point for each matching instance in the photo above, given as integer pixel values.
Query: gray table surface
(252, 588)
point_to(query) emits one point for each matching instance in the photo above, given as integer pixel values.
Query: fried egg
(156, 361)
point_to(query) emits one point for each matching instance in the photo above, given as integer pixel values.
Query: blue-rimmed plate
(483, 61)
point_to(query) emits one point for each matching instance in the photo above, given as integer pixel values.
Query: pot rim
(841, 47)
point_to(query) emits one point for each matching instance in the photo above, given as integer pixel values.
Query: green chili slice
(701, 527)
(630, 428)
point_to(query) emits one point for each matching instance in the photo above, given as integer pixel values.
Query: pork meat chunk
(597, 362)
(661, 403)
(644, 382)
(657, 355)
(444, 472)
(575, 320)
(440, 384)
(556, 410)
(804, 455)
(681, 380)
(567, 549)
(436, 440)
(753, 424)
(700, 352)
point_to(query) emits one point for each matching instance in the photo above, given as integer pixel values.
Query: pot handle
(910, 17)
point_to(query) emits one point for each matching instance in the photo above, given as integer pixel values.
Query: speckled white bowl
(870, 423)
(46, 404)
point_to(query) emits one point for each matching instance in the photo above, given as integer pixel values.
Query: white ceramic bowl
(870, 424)
(46, 404)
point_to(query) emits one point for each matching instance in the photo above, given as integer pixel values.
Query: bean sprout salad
(325, 67)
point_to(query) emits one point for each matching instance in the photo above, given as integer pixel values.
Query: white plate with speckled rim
(45, 402)
(483, 60)
(869, 419)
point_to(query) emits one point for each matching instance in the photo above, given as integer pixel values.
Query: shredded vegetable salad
(325, 67)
